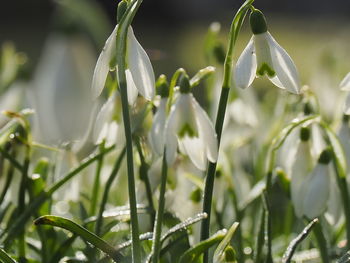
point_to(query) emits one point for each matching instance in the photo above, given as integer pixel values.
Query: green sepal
(162, 86)
(184, 83)
(304, 134)
(258, 23)
(325, 156)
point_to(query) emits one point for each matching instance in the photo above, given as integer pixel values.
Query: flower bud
(258, 23)
(230, 254)
(304, 134)
(325, 156)
(162, 86)
(184, 83)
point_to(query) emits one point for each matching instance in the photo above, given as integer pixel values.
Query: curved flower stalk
(139, 72)
(189, 125)
(264, 56)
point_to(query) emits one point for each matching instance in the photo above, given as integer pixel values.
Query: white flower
(301, 167)
(263, 55)
(189, 124)
(139, 72)
(108, 125)
(316, 191)
(156, 135)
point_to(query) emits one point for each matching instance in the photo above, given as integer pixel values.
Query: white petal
(276, 82)
(246, 66)
(284, 67)
(103, 119)
(345, 83)
(102, 65)
(316, 191)
(301, 167)
(206, 132)
(140, 67)
(171, 127)
(346, 108)
(132, 90)
(195, 149)
(263, 54)
(156, 136)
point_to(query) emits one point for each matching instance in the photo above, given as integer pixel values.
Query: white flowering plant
(107, 159)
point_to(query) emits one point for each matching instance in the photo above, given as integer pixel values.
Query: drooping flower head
(156, 135)
(189, 126)
(139, 71)
(264, 56)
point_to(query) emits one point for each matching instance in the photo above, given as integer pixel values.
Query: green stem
(8, 181)
(209, 183)
(21, 206)
(322, 243)
(96, 185)
(121, 54)
(108, 186)
(144, 177)
(159, 217)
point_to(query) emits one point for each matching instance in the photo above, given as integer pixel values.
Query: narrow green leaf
(82, 232)
(5, 257)
(219, 254)
(287, 257)
(193, 254)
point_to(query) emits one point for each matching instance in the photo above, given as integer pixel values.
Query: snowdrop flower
(58, 94)
(189, 125)
(109, 124)
(264, 56)
(316, 188)
(139, 72)
(156, 135)
(301, 167)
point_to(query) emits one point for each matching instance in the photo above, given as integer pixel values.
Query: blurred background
(173, 31)
(55, 44)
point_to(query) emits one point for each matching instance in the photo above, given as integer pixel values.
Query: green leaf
(192, 255)
(5, 257)
(13, 230)
(219, 254)
(287, 257)
(82, 232)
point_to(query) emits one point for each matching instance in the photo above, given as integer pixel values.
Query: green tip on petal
(304, 134)
(162, 86)
(265, 69)
(186, 129)
(258, 23)
(196, 195)
(346, 118)
(185, 86)
(122, 6)
(325, 156)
